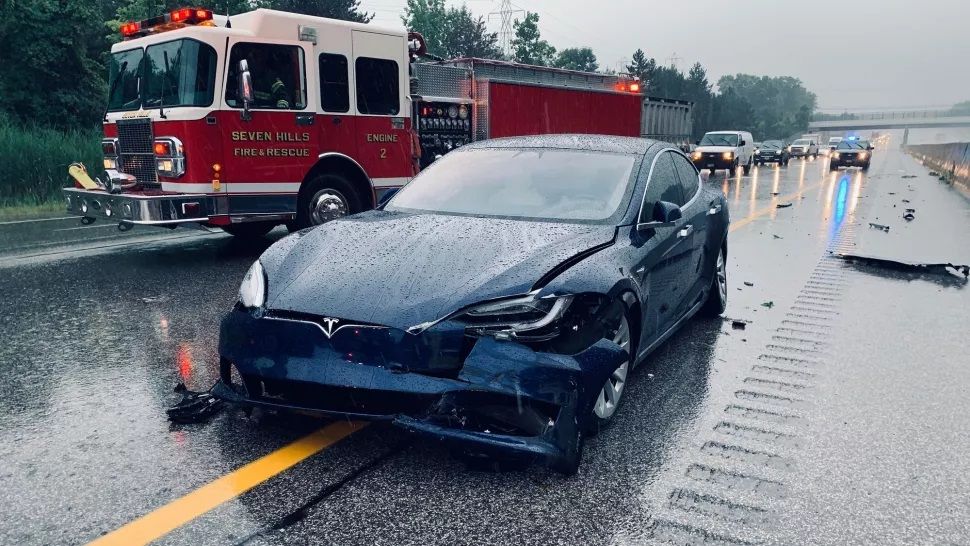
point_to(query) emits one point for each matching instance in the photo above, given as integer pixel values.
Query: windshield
(533, 183)
(124, 68)
(835, 140)
(853, 145)
(177, 73)
(719, 139)
(771, 144)
(802, 142)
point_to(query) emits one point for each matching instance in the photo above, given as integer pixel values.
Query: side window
(278, 76)
(377, 86)
(689, 178)
(664, 185)
(334, 90)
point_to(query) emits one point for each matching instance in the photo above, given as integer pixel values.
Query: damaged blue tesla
(497, 302)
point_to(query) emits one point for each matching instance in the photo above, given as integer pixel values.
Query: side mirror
(664, 214)
(387, 197)
(245, 89)
(697, 142)
(742, 143)
(870, 147)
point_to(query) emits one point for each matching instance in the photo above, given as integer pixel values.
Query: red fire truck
(270, 117)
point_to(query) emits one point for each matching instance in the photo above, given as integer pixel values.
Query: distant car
(724, 150)
(804, 147)
(497, 302)
(771, 151)
(834, 143)
(851, 153)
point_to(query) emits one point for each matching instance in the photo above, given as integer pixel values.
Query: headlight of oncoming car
(728, 155)
(252, 291)
(527, 316)
(696, 155)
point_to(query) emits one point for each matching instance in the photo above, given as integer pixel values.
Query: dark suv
(771, 151)
(851, 153)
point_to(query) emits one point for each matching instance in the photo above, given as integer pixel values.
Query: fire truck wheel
(249, 230)
(326, 197)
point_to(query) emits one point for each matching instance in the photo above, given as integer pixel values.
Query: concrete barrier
(951, 160)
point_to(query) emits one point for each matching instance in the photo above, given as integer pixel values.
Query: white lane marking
(12, 222)
(87, 227)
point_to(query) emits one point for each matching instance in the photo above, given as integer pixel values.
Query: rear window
(532, 183)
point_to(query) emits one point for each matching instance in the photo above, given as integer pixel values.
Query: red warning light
(130, 28)
(634, 87)
(180, 15)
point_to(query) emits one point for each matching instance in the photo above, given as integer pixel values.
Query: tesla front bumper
(482, 395)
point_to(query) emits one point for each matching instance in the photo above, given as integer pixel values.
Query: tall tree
(528, 47)
(577, 58)
(642, 67)
(348, 10)
(450, 32)
(698, 91)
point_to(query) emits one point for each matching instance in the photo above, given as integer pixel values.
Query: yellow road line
(173, 515)
(740, 223)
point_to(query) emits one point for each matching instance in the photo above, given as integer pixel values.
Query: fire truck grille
(135, 153)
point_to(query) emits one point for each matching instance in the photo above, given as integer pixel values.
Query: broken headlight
(252, 291)
(524, 317)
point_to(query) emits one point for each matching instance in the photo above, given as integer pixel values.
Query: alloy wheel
(721, 273)
(328, 204)
(609, 396)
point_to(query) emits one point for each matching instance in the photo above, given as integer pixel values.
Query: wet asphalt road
(838, 415)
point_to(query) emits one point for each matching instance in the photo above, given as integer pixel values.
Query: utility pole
(505, 11)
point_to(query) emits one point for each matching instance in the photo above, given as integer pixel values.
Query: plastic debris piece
(959, 271)
(909, 176)
(775, 193)
(738, 324)
(777, 236)
(783, 205)
(748, 283)
(194, 407)
(934, 173)
(768, 304)
(879, 226)
(909, 216)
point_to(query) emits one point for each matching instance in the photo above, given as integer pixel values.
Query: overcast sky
(853, 54)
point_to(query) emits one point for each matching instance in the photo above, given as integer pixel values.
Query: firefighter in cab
(269, 90)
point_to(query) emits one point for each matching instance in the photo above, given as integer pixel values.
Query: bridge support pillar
(905, 138)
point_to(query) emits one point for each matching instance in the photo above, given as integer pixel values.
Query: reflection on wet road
(771, 432)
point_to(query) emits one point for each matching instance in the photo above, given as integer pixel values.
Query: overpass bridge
(890, 120)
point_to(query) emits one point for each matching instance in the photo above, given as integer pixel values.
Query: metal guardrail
(900, 114)
(951, 160)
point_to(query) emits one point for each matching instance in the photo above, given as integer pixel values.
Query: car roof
(596, 143)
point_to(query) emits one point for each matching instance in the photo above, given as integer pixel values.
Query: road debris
(768, 304)
(194, 407)
(777, 236)
(154, 299)
(908, 176)
(879, 226)
(748, 283)
(934, 173)
(775, 193)
(959, 271)
(910, 215)
(783, 205)
(738, 324)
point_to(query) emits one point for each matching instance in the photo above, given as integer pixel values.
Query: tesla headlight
(252, 291)
(728, 155)
(529, 316)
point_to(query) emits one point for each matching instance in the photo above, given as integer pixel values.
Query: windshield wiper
(161, 100)
(114, 85)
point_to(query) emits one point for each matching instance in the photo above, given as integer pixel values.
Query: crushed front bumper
(503, 398)
(143, 209)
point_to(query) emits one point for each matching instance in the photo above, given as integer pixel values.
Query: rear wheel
(733, 170)
(712, 171)
(249, 230)
(324, 198)
(717, 296)
(747, 168)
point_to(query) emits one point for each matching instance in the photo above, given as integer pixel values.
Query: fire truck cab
(271, 117)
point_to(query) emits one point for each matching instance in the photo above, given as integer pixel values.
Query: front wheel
(717, 296)
(733, 170)
(747, 168)
(833, 167)
(324, 198)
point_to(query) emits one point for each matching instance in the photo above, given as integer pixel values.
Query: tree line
(53, 70)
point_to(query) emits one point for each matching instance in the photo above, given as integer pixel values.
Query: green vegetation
(34, 161)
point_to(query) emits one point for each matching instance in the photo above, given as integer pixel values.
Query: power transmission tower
(505, 11)
(672, 60)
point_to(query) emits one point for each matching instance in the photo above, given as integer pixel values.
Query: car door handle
(685, 231)
(715, 209)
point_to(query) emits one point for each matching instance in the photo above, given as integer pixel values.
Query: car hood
(716, 149)
(399, 269)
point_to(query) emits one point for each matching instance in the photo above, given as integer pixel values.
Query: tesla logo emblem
(328, 326)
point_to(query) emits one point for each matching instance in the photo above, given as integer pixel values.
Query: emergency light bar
(170, 21)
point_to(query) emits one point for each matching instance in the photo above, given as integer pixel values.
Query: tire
(713, 171)
(611, 395)
(833, 166)
(249, 230)
(325, 197)
(866, 167)
(747, 168)
(733, 170)
(814, 156)
(716, 301)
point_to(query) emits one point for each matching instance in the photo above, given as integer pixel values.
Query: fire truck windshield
(541, 184)
(176, 73)
(125, 66)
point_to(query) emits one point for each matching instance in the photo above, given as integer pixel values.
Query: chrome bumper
(155, 210)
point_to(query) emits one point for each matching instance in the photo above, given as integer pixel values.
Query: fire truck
(269, 118)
